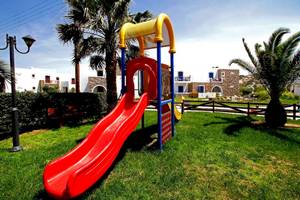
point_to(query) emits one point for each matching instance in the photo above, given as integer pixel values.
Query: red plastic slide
(72, 174)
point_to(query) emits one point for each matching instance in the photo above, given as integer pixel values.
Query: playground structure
(156, 33)
(72, 174)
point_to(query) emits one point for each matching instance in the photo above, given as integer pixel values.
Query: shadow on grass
(238, 123)
(138, 140)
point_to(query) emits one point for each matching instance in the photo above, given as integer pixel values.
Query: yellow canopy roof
(149, 33)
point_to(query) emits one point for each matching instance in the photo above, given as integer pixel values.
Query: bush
(261, 93)
(289, 96)
(33, 108)
(32, 111)
(91, 105)
(50, 89)
(246, 90)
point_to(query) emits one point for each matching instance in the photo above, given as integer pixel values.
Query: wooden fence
(248, 108)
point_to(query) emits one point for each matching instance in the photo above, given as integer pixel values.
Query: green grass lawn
(213, 156)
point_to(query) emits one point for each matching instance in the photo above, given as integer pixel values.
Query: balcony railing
(184, 78)
(51, 82)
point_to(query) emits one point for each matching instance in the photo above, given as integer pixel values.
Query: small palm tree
(276, 65)
(107, 18)
(74, 32)
(4, 75)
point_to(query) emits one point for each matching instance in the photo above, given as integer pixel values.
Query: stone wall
(230, 78)
(95, 81)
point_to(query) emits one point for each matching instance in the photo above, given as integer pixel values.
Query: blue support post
(172, 94)
(123, 67)
(159, 95)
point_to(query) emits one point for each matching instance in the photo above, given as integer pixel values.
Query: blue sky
(208, 32)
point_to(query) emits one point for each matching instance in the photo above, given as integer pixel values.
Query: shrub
(32, 108)
(246, 90)
(91, 105)
(289, 96)
(261, 93)
(50, 89)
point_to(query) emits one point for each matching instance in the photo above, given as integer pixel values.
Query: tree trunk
(2, 84)
(275, 115)
(77, 77)
(111, 95)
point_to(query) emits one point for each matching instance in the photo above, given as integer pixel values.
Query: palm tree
(4, 75)
(74, 32)
(107, 17)
(276, 65)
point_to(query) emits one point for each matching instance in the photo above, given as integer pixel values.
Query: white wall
(25, 81)
(185, 87)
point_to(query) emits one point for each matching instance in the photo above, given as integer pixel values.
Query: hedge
(33, 108)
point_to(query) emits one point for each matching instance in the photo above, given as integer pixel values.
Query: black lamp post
(11, 42)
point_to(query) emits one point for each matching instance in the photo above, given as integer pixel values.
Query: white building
(181, 83)
(29, 79)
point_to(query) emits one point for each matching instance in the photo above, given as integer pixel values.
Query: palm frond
(253, 60)
(78, 12)
(257, 48)
(68, 32)
(266, 46)
(120, 9)
(276, 37)
(290, 45)
(97, 62)
(141, 16)
(4, 71)
(245, 65)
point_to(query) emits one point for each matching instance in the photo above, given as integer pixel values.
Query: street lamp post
(11, 43)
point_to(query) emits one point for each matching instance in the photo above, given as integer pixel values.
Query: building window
(100, 73)
(180, 89)
(180, 76)
(33, 75)
(223, 74)
(217, 89)
(201, 89)
(47, 79)
(73, 81)
(57, 78)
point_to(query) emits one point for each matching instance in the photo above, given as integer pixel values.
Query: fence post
(213, 105)
(294, 111)
(248, 109)
(182, 106)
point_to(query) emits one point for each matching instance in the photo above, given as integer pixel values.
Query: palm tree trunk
(111, 95)
(275, 115)
(77, 77)
(2, 84)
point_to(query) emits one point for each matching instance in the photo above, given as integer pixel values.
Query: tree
(4, 75)
(107, 18)
(74, 31)
(50, 89)
(276, 65)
